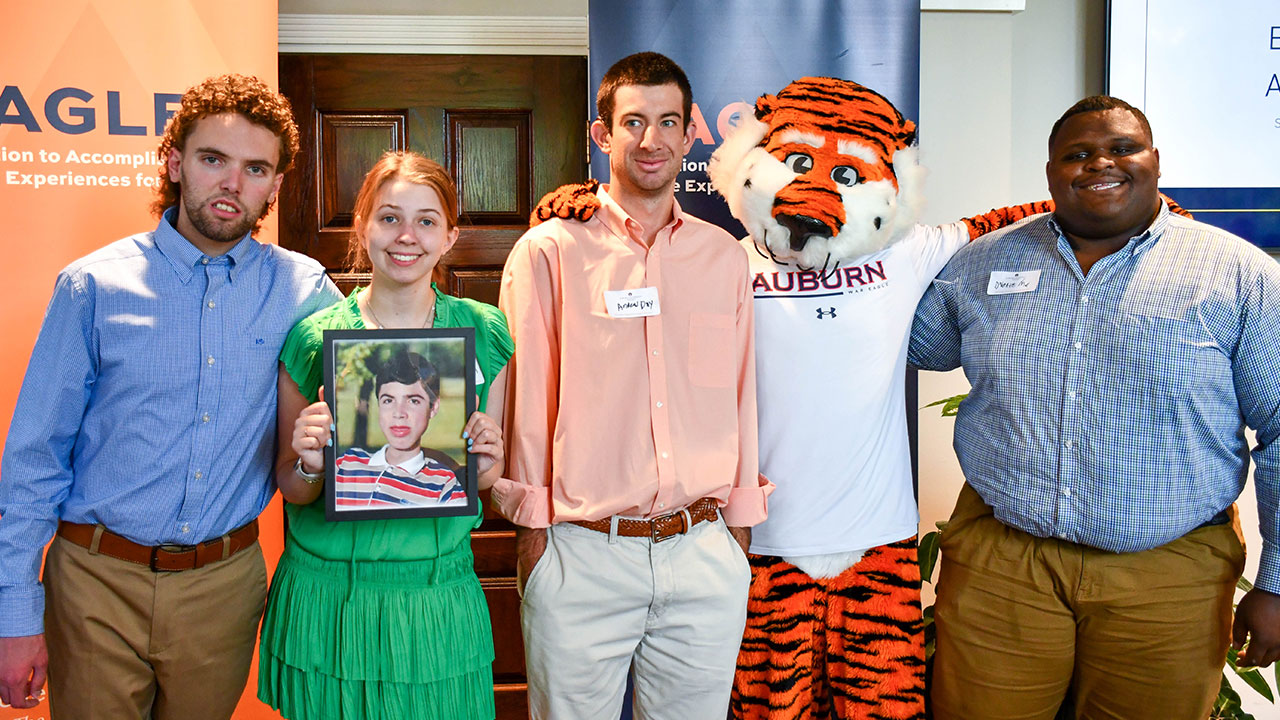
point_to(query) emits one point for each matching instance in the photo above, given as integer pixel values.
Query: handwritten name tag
(641, 302)
(1007, 283)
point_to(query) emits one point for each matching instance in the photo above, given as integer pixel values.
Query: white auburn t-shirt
(831, 355)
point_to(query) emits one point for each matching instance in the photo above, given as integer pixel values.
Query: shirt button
(1084, 298)
(664, 455)
(186, 528)
(655, 352)
(662, 505)
(204, 418)
(211, 304)
(659, 403)
(1066, 492)
(1077, 347)
(1071, 394)
(209, 360)
(204, 261)
(1068, 443)
(199, 474)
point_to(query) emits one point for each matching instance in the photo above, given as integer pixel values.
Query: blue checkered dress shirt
(149, 403)
(1109, 409)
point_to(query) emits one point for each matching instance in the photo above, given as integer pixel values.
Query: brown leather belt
(659, 528)
(161, 558)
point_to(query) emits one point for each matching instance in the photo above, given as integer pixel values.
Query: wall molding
(484, 34)
(433, 34)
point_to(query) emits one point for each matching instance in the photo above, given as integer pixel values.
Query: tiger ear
(907, 135)
(765, 105)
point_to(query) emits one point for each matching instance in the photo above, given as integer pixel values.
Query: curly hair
(242, 94)
(393, 165)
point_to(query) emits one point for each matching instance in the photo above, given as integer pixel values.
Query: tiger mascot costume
(825, 179)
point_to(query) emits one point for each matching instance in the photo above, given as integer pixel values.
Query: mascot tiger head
(827, 170)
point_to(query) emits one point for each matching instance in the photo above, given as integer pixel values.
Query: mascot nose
(802, 228)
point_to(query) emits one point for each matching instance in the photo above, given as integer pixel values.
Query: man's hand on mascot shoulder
(575, 201)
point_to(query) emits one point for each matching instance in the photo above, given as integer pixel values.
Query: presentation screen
(1206, 75)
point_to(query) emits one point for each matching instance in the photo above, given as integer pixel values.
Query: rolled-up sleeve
(528, 298)
(747, 504)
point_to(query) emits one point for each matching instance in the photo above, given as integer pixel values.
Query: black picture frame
(369, 487)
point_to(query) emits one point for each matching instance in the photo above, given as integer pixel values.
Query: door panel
(509, 129)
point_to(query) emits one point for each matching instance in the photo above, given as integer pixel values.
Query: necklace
(429, 322)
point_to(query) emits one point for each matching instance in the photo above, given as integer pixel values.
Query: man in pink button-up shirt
(632, 426)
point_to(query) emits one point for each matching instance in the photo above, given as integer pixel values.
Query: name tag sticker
(1007, 283)
(641, 302)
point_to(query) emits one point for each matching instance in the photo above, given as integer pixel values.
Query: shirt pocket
(712, 350)
(254, 360)
(1167, 359)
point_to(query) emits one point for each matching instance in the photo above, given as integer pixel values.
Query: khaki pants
(125, 642)
(595, 606)
(1024, 620)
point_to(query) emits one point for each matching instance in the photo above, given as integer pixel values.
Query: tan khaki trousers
(1023, 620)
(125, 642)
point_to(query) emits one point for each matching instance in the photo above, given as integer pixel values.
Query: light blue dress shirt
(1109, 409)
(149, 403)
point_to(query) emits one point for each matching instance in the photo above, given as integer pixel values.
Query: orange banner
(87, 88)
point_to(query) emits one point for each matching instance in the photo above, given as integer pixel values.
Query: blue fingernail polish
(332, 428)
(330, 442)
(464, 434)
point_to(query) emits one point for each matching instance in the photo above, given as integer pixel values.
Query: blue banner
(736, 50)
(1251, 213)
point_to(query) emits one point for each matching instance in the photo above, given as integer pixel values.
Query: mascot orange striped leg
(848, 647)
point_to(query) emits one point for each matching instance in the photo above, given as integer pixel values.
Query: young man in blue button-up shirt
(143, 435)
(1116, 353)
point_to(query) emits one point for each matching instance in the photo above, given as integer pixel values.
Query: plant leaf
(928, 555)
(950, 406)
(1254, 679)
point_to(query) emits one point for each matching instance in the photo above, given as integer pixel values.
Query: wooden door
(509, 128)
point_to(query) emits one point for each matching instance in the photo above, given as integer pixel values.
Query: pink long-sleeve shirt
(635, 416)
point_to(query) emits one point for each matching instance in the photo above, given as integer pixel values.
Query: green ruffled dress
(379, 618)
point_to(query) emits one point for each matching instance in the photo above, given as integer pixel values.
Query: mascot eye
(845, 175)
(799, 163)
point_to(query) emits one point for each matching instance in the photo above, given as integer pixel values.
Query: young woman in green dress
(382, 618)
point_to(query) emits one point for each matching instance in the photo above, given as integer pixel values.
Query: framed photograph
(400, 399)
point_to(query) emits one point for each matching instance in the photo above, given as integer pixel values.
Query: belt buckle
(654, 533)
(155, 551)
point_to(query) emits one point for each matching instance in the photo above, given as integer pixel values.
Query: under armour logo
(829, 312)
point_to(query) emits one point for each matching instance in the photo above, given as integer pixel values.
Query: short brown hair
(393, 165)
(241, 94)
(645, 68)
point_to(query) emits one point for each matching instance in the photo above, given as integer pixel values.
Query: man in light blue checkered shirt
(1116, 353)
(144, 435)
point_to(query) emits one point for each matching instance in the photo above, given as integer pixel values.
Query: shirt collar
(411, 466)
(184, 256)
(1138, 243)
(618, 221)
